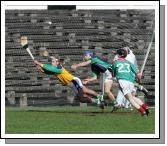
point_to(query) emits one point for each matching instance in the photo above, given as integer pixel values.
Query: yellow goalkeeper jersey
(65, 77)
(61, 73)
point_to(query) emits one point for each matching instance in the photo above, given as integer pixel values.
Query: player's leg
(135, 104)
(89, 91)
(107, 90)
(107, 77)
(143, 105)
(82, 98)
(140, 102)
(82, 90)
(79, 92)
(93, 93)
(85, 89)
(132, 101)
(86, 99)
(127, 89)
(120, 99)
(137, 100)
(126, 103)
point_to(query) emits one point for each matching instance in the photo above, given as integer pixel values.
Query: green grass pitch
(76, 120)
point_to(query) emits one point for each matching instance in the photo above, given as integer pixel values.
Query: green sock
(94, 100)
(98, 96)
(114, 102)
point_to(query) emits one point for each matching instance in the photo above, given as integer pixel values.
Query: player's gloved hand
(23, 40)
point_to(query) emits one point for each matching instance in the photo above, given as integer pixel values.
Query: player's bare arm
(138, 77)
(85, 63)
(37, 63)
(85, 81)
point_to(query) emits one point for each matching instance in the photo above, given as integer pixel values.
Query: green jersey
(98, 66)
(124, 70)
(50, 70)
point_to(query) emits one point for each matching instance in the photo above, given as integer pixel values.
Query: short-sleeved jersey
(61, 73)
(124, 70)
(98, 66)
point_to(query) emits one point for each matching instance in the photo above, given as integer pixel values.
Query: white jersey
(130, 57)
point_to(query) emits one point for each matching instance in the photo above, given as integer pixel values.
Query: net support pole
(148, 51)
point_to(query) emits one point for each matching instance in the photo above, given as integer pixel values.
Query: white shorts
(107, 76)
(76, 84)
(121, 100)
(126, 86)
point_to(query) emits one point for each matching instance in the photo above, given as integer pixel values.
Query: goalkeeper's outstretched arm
(37, 63)
(48, 67)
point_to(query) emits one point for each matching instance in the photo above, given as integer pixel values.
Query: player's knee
(128, 96)
(85, 90)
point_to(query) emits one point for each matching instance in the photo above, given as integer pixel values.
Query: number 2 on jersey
(123, 67)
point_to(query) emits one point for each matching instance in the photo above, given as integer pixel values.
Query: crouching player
(66, 78)
(124, 71)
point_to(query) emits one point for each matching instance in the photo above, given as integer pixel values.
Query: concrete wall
(68, 34)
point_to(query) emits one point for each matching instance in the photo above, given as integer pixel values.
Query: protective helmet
(122, 52)
(127, 49)
(90, 53)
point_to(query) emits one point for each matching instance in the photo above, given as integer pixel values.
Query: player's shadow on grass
(86, 113)
(66, 112)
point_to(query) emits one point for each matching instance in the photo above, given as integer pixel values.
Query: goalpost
(148, 51)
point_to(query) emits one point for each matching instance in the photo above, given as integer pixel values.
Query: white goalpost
(148, 51)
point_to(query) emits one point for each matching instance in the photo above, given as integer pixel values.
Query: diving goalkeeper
(67, 79)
